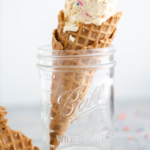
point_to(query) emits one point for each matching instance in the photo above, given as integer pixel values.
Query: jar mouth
(75, 68)
(85, 59)
(47, 52)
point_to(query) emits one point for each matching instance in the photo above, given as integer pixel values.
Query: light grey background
(27, 24)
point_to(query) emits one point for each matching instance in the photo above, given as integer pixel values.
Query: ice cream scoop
(87, 11)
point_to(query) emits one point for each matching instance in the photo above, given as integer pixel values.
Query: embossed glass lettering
(67, 139)
(96, 137)
(67, 102)
(85, 106)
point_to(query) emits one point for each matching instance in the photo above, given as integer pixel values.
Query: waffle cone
(87, 34)
(12, 140)
(73, 81)
(57, 45)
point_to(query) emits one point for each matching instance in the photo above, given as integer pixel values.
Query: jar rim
(47, 52)
(75, 59)
(75, 68)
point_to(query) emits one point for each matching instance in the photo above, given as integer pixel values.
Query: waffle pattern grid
(56, 45)
(69, 81)
(87, 37)
(87, 33)
(12, 140)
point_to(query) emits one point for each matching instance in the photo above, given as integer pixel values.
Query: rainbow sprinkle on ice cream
(87, 11)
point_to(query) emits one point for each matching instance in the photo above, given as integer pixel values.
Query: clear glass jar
(77, 98)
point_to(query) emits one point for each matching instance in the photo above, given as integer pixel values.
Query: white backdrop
(27, 24)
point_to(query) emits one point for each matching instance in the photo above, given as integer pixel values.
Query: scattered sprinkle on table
(130, 138)
(122, 116)
(140, 130)
(116, 129)
(146, 136)
(126, 128)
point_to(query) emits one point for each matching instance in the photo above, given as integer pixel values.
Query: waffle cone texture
(12, 140)
(87, 34)
(87, 39)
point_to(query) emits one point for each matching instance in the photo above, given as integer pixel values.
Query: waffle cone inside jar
(87, 39)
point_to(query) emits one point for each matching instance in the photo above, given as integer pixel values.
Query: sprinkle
(116, 129)
(82, 14)
(130, 138)
(122, 116)
(88, 15)
(126, 128)
(104, 128)
(146, 136)
(80, 3)
(103, 16)
(138, 131)
(83, 30)
(142, 129)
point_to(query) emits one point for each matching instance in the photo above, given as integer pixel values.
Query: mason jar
(77, 98)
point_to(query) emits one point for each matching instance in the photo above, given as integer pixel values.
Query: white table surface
(133, 117)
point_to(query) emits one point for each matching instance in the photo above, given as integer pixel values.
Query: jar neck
(89, 58)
